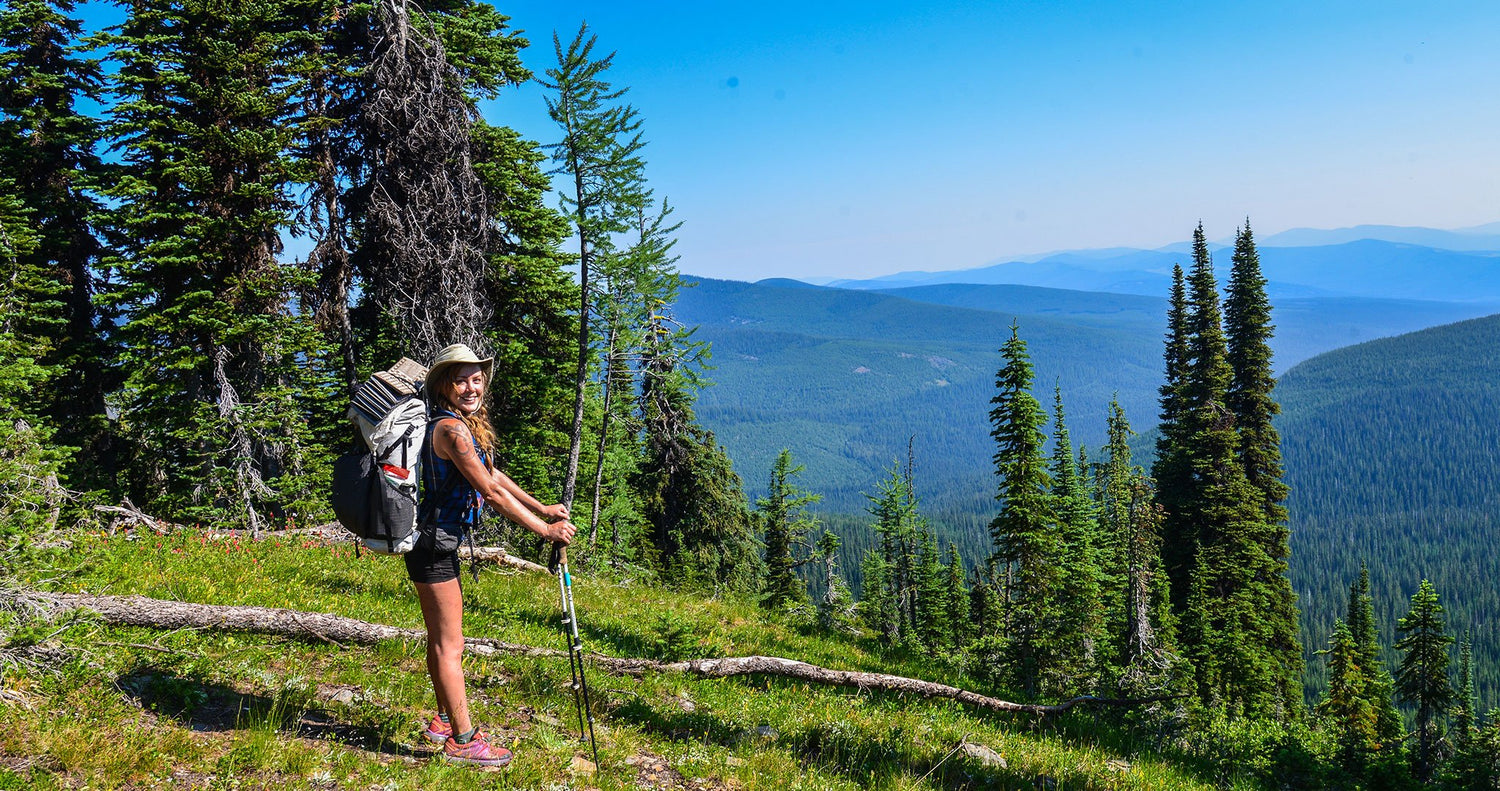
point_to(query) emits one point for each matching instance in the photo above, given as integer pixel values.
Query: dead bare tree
(426, 236)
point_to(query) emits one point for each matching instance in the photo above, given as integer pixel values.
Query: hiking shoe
(477, 751)
(438, 731)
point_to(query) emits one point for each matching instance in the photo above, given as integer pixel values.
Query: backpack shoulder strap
(450, 479)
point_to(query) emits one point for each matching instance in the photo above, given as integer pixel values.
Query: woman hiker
(459, 476)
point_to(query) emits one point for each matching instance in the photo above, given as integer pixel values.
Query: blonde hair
(478, 423)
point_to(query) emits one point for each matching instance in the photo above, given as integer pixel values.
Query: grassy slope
(142, 709)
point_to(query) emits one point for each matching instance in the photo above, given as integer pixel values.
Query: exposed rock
(983, 755)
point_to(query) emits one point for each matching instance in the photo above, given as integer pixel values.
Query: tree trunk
(156, 613)
(609, 374)
(581, 379)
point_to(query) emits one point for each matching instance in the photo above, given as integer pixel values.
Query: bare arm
(452, 441)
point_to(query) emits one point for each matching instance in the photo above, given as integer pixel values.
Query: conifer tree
(932, 627)
(1025, 530)
(985, 614)
(1248, 331)
(785, 523)
(836, 606)
(1078, 601)
(1171, 468)
(1422, 678)
(1346, 706)
(29, 461)
(212, 348)
(956, 602)
(877, 600)
(599, 154)
(1113, 479)
(423, 219)
(1380, 690)
(47, 153)
(899, 529)
(1239, 626)
(1146, 654)
(532, 329)
(1465, 710)
(690, 494)
(635, 288)
(1476, 763)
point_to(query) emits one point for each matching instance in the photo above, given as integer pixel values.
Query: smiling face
(466, 392)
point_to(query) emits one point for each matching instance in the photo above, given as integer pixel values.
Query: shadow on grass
(865, 758)
(207, 707)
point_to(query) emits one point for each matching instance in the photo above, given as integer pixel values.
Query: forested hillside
(845, 378)
(1392, 453)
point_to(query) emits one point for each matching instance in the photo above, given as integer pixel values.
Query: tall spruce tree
(1466, 708)
(47, 153)
(784, 523)
(1025, 530)
(213, 352)
(1078, 596)
(1422, 678)
(1380, 691)
(1171, 469)
(1346, 706)
(1237, 627)
(1248, 330)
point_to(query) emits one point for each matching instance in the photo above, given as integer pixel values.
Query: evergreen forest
(171, 377)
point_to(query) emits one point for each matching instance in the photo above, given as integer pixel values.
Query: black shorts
(424, 565)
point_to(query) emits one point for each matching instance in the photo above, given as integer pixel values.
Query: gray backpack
(376, 488)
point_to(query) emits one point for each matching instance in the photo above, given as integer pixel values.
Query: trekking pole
(575, 647)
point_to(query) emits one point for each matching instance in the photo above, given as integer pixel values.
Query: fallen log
(336, 629)
(499, 556)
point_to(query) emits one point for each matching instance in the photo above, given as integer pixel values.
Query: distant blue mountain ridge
(1327, 264)
(845, 377)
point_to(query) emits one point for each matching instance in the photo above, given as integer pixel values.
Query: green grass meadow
(97, 707)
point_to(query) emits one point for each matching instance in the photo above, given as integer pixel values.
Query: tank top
(461, 504)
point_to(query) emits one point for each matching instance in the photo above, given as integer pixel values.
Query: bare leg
(443, 615)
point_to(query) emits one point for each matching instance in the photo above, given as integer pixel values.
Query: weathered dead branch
(155, 613)
(126, 516)
(426, 235)
(499, 556)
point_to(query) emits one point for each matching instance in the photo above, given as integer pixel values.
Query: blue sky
(840, 139)
(847, 139)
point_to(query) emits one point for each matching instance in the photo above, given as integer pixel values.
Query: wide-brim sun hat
(451, 355)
